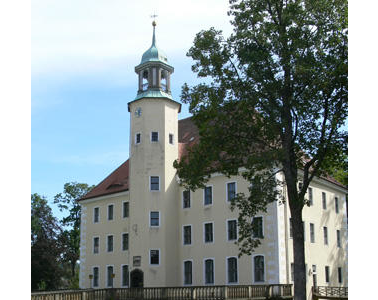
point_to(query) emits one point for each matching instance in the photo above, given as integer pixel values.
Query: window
(96, 245)
(186, 199)
(232, 230)
(154, 257)
(290, 228)
(231, 190)
(171, 138)
(310, 197)
(259, 267)
(187, 234)
(208, 195)
(125, 241)
(257, 227)
(325, 233)
(188, 272)
(125, 275)
(154, 136)
(327, 274)
(338, 238)
(109, 276)
(154, 183)
(232, 269)
(209, 271)
(96, 215)
(110, 243)
(137, 138)
(209, 233)
(110, 212)
(95, 276)
(324, 200)
(312, 233)
(340, 275)
(154, 219)
(125, 210)
(337, 205)
(292, 271)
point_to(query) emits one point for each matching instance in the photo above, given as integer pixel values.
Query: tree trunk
(299, 255)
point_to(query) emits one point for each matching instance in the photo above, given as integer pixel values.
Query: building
(141, 226)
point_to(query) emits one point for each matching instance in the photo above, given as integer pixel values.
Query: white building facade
(141, 226)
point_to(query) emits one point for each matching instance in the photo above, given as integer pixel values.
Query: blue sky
(83, 55)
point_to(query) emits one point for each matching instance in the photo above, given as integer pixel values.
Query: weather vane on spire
(153, 22)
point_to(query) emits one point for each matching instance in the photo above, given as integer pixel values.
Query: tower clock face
(138, 112)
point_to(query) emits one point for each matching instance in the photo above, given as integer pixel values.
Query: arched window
(258, 262)
(145, 80)
(163, 83)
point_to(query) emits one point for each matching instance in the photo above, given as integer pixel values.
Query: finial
(154, 25)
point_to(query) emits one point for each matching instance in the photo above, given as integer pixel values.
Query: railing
(173, 293)
(331, 292)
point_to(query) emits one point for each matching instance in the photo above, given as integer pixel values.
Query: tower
(153, 189)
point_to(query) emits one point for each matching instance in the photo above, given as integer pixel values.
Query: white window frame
(140, 138)
(236, 189)
(237, 270)
(149, 258)
(122, 250)
(204, 232)
(128, 268)
(149, 215)
(237, 230)
(92, 283)
(204, 270)
(107, 243)
(94, 208)
(253, 268)
(212, 198)
(183, 235)
(183, 272)
(107, 211)
(106, 278)
(94, 245)
(150, 183)
(157, 137)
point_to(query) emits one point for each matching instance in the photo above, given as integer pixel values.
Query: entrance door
(136, 278)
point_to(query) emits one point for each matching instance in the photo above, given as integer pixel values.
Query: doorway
(136, 278)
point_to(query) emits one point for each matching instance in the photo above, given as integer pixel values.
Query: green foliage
(276, 102)
(45, 248)
(70, 237)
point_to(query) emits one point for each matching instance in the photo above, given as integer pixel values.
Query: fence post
(249, 292)
(226, 292)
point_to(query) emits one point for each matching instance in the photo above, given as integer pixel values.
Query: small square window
(154, 257)
(154, 136)
(154, 183)
(171, 138)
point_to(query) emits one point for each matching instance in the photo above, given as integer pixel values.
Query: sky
(83, 55)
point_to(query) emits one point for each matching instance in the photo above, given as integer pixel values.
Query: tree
(274, 102)
(70, 237)
(45, 249)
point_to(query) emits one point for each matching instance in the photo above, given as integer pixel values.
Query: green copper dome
(154, 53)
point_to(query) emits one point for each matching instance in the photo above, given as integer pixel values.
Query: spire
(153, 35)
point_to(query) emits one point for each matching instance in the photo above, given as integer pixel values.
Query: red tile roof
(118, 180)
